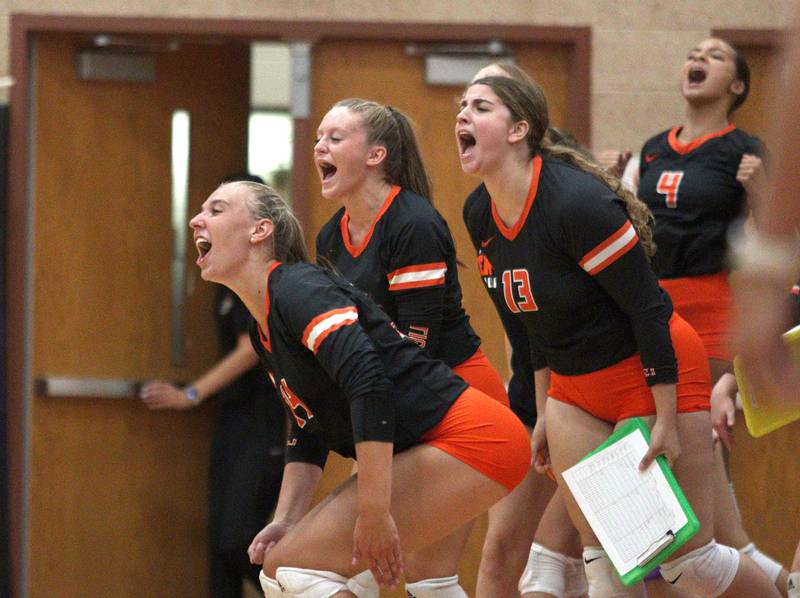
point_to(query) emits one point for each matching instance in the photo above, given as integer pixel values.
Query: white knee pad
(269, 586)
(794, 584)
(575, 584)
(364, 585)
(438, 587)
(309, 583)
(602, 578)
(544, 572)
(706, 571)
(767, 564)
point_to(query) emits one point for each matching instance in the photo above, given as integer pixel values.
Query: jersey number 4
(517, 291)
(668, 184)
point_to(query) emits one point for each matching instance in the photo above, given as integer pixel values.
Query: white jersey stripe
(419, 276)
(327, 325)
(612, 252)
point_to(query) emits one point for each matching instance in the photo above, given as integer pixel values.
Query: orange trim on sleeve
(685, 148)
(610, 250)
(418, 276)
(352, 249)
(511, 233)
(320, 327)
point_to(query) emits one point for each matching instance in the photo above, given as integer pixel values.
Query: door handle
(106, 388)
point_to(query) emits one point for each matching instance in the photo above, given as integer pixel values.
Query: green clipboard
(764, 414)
(680, 537)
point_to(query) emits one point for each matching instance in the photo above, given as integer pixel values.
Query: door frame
(751, 37)
(23, 31)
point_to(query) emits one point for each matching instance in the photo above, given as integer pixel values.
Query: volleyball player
(390, 241)
(698, 179)
(432, 452)
(568, 247)
(531, 545)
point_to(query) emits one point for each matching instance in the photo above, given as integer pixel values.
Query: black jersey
(407, 264)
(694, 195)
(573, 272)
(343, 370)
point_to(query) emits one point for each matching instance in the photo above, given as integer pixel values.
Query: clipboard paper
(764, 414)
(640, 518)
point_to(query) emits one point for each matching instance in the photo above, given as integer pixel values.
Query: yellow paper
(765, 414)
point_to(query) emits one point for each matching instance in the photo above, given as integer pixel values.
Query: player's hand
(376, 545)
(663, 441)
(751, 174)
(158, 394)
(614, 161)
(266, 539)
(539, 451)
(723, 415)
(762, 315)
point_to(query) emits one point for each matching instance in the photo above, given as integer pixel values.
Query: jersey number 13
(517, 291)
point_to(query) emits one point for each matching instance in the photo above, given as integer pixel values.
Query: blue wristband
(191, 393)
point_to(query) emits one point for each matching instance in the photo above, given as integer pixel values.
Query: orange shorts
(620, 391)
(705, 302)
(479, 373)
(485, 435)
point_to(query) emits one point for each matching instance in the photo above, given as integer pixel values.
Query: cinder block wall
(637, 45)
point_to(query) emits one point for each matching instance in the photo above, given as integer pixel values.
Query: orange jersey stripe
(607, 252)
(320, 327)
(414, 277)
(685, 148)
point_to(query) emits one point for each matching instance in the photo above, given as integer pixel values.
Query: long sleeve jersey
(694, 196)
(407, 265)
(573, 273)
(345, 373)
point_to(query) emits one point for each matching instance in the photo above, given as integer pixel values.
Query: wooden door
(118, 493)
(753, 115)
(382, 71)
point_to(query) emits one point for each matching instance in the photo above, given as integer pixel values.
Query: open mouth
(466, 141)
(696, 75)
(326, 170)
(203, 247)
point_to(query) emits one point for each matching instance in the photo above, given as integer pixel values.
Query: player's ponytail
(392, 129)
(526, 101)
(289, 245)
